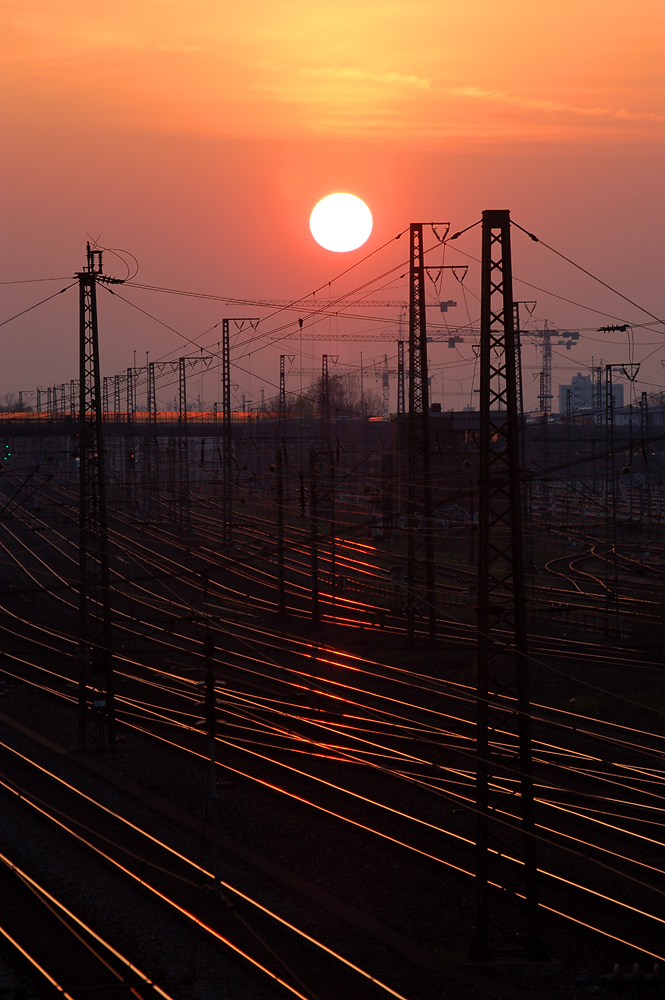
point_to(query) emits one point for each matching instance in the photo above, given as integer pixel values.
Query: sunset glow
(347, 69)
(200, 135)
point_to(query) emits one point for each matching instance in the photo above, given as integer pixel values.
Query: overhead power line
(36, 305)
(579, 267)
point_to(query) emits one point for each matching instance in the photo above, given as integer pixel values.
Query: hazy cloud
(178, 47)
(346, 73)
(533, 104)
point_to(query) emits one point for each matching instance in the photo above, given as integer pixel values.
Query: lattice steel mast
(151, 446)
(227, 502)
(183, 447)
(506, 902)
(95, 668)
(282, 393)
(401, 397)
(419, 485)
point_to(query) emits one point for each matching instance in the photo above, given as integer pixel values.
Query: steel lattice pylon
(95, 670)
(401, 398)
(227, 455)
(150, 444)
(507, 907)
(325, 404)
(183, 446)
(419, 485)
(227, 511)
(282, 393)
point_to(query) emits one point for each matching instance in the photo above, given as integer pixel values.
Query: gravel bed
(438, 912)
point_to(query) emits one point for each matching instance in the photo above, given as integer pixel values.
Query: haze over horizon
(199, 137)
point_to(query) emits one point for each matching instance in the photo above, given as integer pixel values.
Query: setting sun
(341, 222)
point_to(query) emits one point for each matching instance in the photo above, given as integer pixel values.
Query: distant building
(583, 394)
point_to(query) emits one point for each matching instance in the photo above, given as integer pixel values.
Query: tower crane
(545, 338)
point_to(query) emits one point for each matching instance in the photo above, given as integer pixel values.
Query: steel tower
(94, 660)
(506, 902)
(419, 485)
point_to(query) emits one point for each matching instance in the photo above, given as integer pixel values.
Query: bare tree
(346, 395)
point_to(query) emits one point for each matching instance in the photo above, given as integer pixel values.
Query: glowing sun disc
(340, 222)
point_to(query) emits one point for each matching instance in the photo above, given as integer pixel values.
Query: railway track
(61, 949)
(311, 728)
(295, 961)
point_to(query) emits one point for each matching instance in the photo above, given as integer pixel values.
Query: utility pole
(362, 387)
(116, 399)
(385, 383)
(597, 376)
(151, 464)
(129, 384)
(279, 497)
(545, 397)
(518, 375)
(314, 540)
(95, 668)
(105, 399)
(325, 404)
(211, 720)
(183, 447)
(227, 498)
(327, 452)
(227, 510)
(611, 579)
(644, 434)
(569, 450)
(282, 393)
(130, 440)
(401, 397)
(527, 498)
(505, 844)
(419, 485)
(152, 397)
(611, 559)
(402, 444)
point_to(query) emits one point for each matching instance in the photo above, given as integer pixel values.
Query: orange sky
(199, 135)
(424, 71)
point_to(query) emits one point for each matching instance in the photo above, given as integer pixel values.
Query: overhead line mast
(419, 484)
(506, 900)
(94, 657)
(227, 455)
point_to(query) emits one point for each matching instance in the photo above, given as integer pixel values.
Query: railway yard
(328, 851)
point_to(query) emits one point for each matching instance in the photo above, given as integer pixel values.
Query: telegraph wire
(590, 275)
(237, 301)
(37, 304)
(29, 281)
(156, 320)
(563, 298)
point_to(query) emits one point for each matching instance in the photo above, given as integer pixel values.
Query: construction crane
(317, 305)
(546, 339)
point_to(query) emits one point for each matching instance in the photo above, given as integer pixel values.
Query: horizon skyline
(200, 138)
